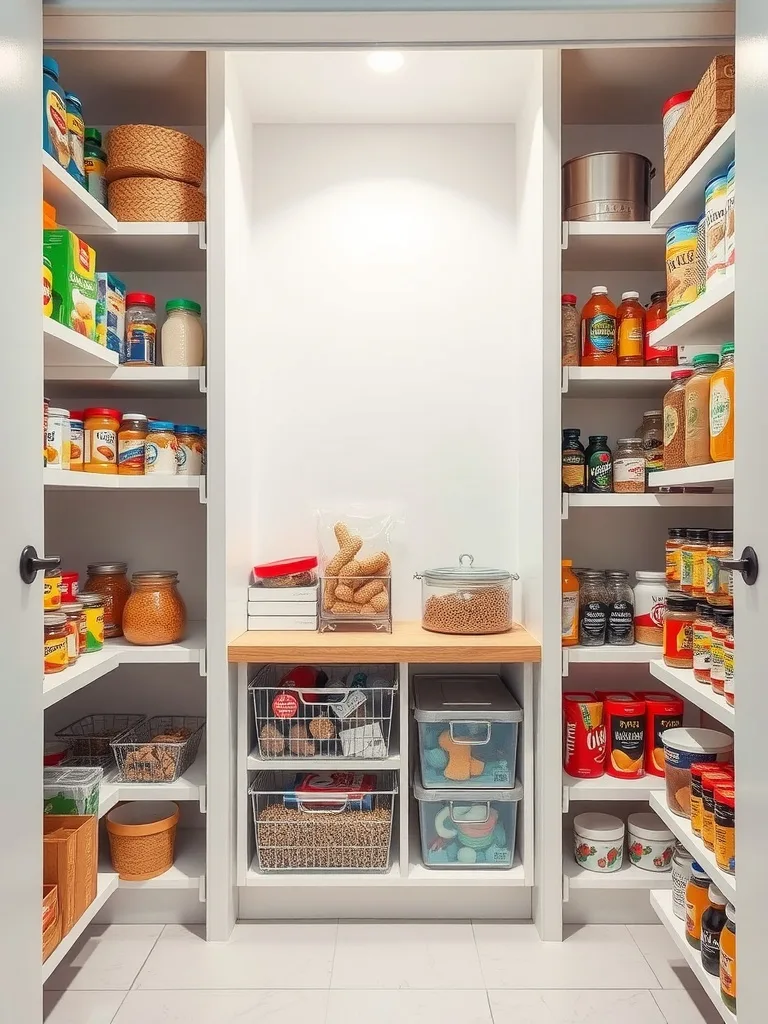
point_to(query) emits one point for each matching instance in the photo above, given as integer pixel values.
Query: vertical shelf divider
(404, 781)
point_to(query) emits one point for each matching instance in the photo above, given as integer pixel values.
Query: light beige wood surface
(407, 642)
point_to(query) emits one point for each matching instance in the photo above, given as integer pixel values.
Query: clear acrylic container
(468, 828)
(355, 604)
(467, 731)
(71, 790)
(465, 599)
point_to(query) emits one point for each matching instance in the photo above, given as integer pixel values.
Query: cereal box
(73, 267)
(110, 313)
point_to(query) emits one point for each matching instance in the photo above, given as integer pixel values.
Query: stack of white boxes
(282, 607)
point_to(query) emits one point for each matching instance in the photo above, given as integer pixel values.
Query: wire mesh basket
(348, 715)
(323, 821)
(159, 749)
(89, 739)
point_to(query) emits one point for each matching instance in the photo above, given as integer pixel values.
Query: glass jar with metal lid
(467, 599)
(110, 579)
(620, 625)
(155, 612)
(593, 609)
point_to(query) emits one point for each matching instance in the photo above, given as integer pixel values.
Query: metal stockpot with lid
(466, 599)
(607, 187)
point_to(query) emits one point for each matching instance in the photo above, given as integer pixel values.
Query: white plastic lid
(643, 576)
(596, 825)
(599, 289)
(630, 295)
(697, 741)
(646, 825)
(59, 412)
(716, 898)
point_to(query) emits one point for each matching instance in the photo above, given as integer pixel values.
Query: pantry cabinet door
(21, 392)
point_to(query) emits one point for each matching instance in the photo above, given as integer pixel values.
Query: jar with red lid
(655, 316)
(679, 617)
(625, 735)
(288, 572)
(662, 711)
(100, 429)
(70, 585)
(140, 329)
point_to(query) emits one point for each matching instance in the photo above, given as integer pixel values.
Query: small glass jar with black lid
(620, 627)
(593, 609)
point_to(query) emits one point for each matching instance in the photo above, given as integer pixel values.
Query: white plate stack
(282, 607)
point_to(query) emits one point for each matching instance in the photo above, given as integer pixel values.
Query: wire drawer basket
(325, 721)
(334, 831)
(90, 738)
(159, 749)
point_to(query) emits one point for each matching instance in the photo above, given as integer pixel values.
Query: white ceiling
(433, 86)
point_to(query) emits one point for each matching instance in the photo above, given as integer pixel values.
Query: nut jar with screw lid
(155, 612)
(620, 625)
(629, 466)
(466, 599)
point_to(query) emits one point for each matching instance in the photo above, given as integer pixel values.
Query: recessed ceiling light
(385, 61)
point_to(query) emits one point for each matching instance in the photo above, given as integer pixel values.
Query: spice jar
(629, 466)
(93, 612)
(155, 612)
(728, 959)
(721, 408)
(620, 628)
(181, 339)
(725, 828)
(52, 590)
(720, 627)
(189, 450)
(710, 780)
(73, 611)
(653, 443)
(655, 316)
(719, 582)
(573, 462)
(569, 331)
(593, 610)
(676, 536)
(697, 409)
(673, 415)
(693, 563)
(679, 616)
(131, 444)
(140, 329)
(101, 427)
(696, 903)
(681, 874)
(702, 639)
(650, 598)
(110, 580)
(467, 599)
(729, 663)
(160, 449)
(55, 657)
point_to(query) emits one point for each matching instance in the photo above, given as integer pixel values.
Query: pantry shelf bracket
(203, 491)
(564, 382)
(564, 507)
(564, 239)
(201, 889)
(202, 662)
(566, 889)
(566, 799)
(202, 797)
(565, 662)
(203, 381)
(202, 239)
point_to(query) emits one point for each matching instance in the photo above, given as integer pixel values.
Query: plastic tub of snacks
(651, 844)
(682, 748)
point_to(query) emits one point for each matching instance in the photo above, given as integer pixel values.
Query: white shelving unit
(635, 654)
(572, 502)
(155, 246)
(682, 681)
(717, 473)
(67, 480)
(620, 245)
(607, 788)
(75, 207)
(71, 353)
(188, 871)
(616, 381)
(705, 322)
(190, 786)
(124, 382)
(628, 876)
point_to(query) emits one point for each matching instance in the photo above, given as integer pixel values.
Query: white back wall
(386, 324)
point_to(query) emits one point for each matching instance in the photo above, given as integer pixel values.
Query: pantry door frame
(21, 605)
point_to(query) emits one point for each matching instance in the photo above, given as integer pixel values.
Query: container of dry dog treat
(683, 748)
(466, 598)
(467, 731)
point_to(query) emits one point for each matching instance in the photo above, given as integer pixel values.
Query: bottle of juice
(598, 329)
(631, 321)
(570, 618)
(721, 408)
(655, 316)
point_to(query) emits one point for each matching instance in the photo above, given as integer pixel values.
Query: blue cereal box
(110, 313)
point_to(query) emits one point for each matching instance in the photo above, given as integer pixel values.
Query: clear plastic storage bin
(71, 790)
(467, 731)
(468, 828)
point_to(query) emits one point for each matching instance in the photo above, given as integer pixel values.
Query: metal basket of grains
(466, 598)
(159, 749)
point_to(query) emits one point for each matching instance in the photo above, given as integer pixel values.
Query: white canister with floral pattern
(598, 841)
(651, 844)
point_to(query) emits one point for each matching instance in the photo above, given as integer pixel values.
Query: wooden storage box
(70, 860)
(711, 105)
(51, 920)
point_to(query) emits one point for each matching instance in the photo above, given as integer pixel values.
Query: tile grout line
(659, 984)
(119, 1008)
(144, 961)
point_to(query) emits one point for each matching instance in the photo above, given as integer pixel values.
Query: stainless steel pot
(607, 186)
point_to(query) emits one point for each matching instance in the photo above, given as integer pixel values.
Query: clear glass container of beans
(155, 612)
(466, 599)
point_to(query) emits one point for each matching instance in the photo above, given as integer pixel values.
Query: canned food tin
(730, 225)
(585, 735)
(715, 201)
(681, 266)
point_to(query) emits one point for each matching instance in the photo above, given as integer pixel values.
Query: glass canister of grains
(676, 536)
(569, 331)
(679, 616)
(697, 409)
(620, 628)
(599, 465)
(629, 466)
(593, 609)
(673, 416)
(155, 612)
(110, 580)
(573, 462)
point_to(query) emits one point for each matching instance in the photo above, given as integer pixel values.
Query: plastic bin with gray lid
(467, 731)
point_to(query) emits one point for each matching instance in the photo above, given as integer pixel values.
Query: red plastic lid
(673, 101)
(113, 414)
(669, 701)
(285, 567)
(711, 779)
(725, 795)
(76, 414)
(624, 703)
(680, 374)
(700, 768)
(140, 299)
(568, 298)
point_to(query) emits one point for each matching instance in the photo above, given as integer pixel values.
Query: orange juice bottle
(598, 329)
(570, 618)
(721, 408)
(630, 318)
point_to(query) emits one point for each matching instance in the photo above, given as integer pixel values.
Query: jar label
(719, 408)
(56, 121)
(569, 624)
(189, 458)
(73, 641)
(101, 446)
(94, 629)
(678, 641)
(51, 593)
(719, 581)
(621, 622)
(55, 654)
(725, 844)
(698, 571)
(95, 171)
(140, 343)
(585, 738)
(76, 445)
(593, 620)
(710, 948)
(673, 564)
(160, 458)
(671, 424)
(679, 882)
(573, 471)
(728, 666)
(631, 338)
(130, 454)
(686, 569)
(629, 471)
(600, 333)
(701, 650)
(54, 441)
(692, 920)
(76, 134)
(600, 473)
(717, 659)
(727, 974)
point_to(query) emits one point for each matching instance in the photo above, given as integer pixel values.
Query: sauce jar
(676, 536)
(181, 338)
(55, 657)
(189, 450)
(697, 409)
(728, 959)
(655, 316)
(702, 641)
(696, 903)
(155, 612)
(73, 611)
(52, 590)
(719, 582)
(466, 599)
(160, 449)
(76, 442)
(681, 875)
(723, 622)
(725, 828)
(140, 329)
(679, 616)
(110, 581)
(95, 160)
(729, 660)
(593, 609)
(93, 612)
(693, 563)
(101, 427)
(70, 585)
(131, 444)
(721, 408)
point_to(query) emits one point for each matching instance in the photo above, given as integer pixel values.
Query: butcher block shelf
(407, 642)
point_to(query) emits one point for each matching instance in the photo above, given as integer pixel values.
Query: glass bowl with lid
(466, 598)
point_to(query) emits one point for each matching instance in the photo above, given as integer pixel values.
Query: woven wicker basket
(142, 836)
(135, 150)
(155, 199)
(710, 106)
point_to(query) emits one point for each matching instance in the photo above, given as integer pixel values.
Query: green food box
(71, 790)
(73, 267)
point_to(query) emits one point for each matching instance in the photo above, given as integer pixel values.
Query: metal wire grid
(326, 722)
(324, 832)
(89, 739)
(140, 758)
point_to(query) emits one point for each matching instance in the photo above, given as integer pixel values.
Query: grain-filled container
(142, 838)
(467, 731)
(598, 841)
(650, 843)
(684, 747)
(466, 599)
(468, 828)
(155, 612)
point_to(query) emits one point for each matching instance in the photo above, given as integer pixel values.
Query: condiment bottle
(95, 166)
(573, 462)
(729, 662)
(696, 903)
(728, 959)
(570, 614)
(630, 318)
(693, 563)
(720, 627)
(702, 639)
(569, 331)
(676, 536)
(697, 409)
(598, 330)
(673, 415)
(725, 828)
(655, 316)
(712, 924)
(599, 465)
(679, 616)
(721, 408)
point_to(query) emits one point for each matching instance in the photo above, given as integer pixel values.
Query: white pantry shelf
(66, 349)
(685, 200)
(125, 381)
(705, 322)
(191, 786)
(608, 654)
(682, 828)
(612, 245)
(683, 682)
(76, 209)
(607, 788)
(628, 876)
(64, 479)
(151, 245)
(187, 871)
(681, 499)
(616, 381)
(663, 907)
(720, 473)
(106, 883)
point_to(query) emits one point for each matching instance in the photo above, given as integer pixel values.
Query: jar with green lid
(95, 161)
(697, 409)
(181, 339)
(93, 609)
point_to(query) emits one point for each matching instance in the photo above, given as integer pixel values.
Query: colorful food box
(110, 313)
(73, 268)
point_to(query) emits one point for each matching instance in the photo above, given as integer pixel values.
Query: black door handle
(30, 564)
(747, 565)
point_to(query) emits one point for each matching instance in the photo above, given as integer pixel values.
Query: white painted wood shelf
(106, 884)
(125, 381)
(191, 786)
(71, 352)
(607, 788)
(608, 654)
(685, 200)
(151, 245)
(65, 479)
(683, 682)
(76, 209)
(682, 828)
(705, 322)
(680, 499)
(713, 473)
(663, 907)
(187, 871)
(628, 876)
(616, 381)
(612, 245)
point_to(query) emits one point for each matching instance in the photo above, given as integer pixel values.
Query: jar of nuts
(467, 599)
(155, 612)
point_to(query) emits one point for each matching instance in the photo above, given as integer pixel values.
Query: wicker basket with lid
(147, 150)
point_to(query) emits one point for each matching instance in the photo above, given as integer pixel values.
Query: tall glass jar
(140, 329)
(181, 339)
(673, 416)
(676, 536)
(110, 579)
(155, 612)
(697, 409)
(629, 466)
(593, 610)
(620, 630)
(570, 321)
(681, 876)
(721, 408)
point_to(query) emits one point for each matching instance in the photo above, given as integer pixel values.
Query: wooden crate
(70, 862)
(709, 108)
(51, 934)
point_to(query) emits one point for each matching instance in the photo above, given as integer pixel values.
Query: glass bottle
(629, 466)
(110, 580)
(681, 874)
(655, 316)
(599, 465)
(620, 630)
(593, 610)
(653, 443)
(598, 330)
(721, 408)
(697, 409)
(674, 421)
(728, 959)
(696, 902)
(630, 320)
(569, 331)
(574, 462)
(712, 924)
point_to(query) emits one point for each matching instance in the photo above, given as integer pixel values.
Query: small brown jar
(55, 657)
(155, 612)
(110, 579)
(679, 616)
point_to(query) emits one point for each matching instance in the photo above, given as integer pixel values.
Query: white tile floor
(377, 972)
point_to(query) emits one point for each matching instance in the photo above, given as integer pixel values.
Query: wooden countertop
(407, 642)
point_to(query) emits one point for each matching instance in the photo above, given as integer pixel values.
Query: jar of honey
(100, 428)
(110, 580)
(55, 658)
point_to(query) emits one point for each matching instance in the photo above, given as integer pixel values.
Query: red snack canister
(625, 727)
(584, 736)
(70, 586)
(663, 711)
